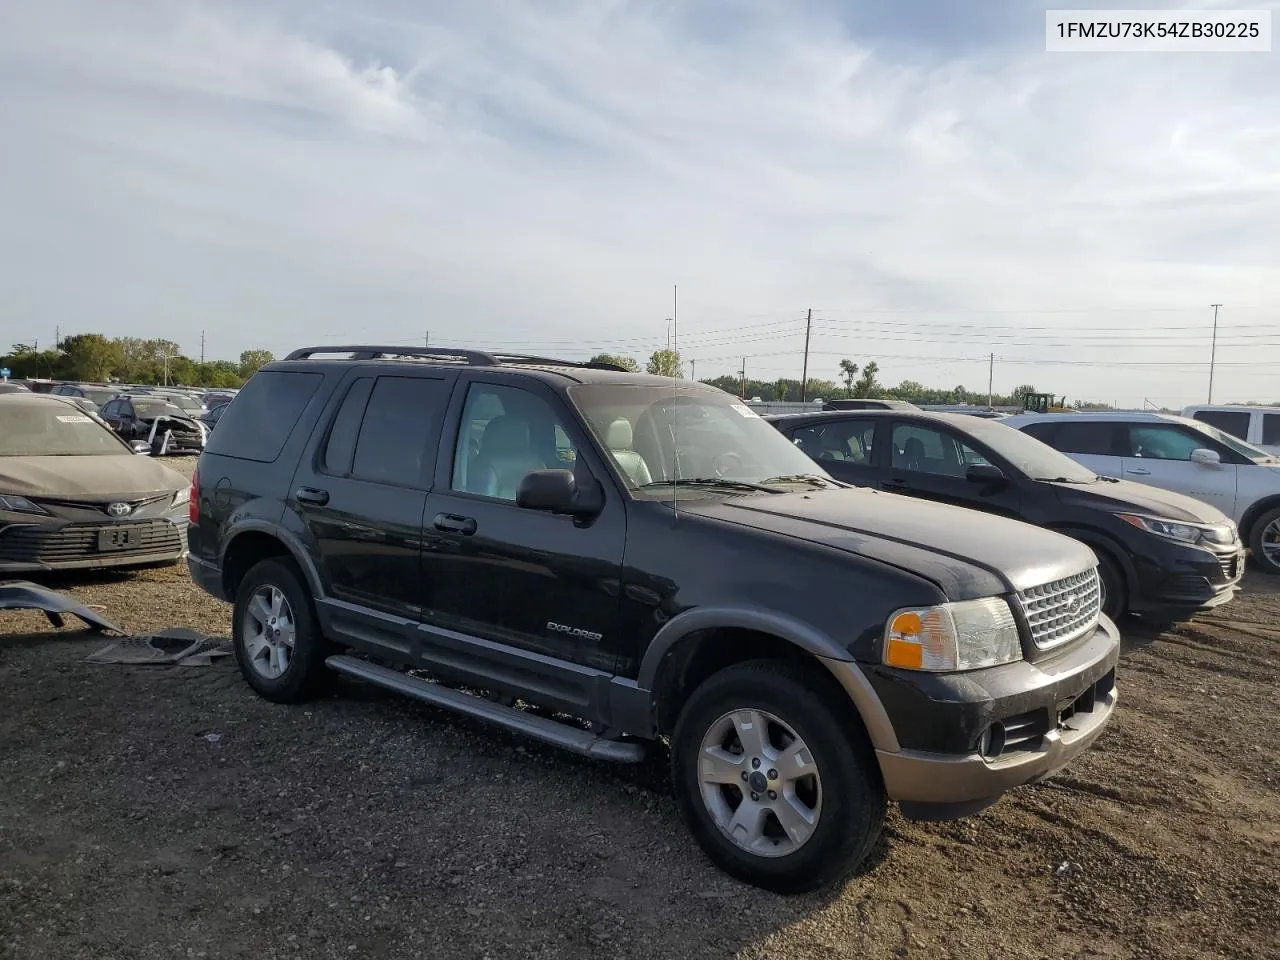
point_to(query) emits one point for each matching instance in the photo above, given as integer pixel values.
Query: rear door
(360, 492)
(843, 447)
(1160, 454)
(1099, 445)
(931, 461)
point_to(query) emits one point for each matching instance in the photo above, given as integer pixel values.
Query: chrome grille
(1063, 610)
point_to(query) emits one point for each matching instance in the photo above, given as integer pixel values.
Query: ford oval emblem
(118, 509)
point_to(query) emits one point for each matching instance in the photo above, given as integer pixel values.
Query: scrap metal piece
(24, 595)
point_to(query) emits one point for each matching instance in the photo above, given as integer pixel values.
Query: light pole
(1213, 351)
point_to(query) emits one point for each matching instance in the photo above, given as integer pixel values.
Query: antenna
(675, 456)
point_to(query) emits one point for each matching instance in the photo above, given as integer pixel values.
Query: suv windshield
(1036, 459)
(1235, 443)
(657, 434)
(54, 430)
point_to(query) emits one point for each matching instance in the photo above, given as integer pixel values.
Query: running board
(561, 735)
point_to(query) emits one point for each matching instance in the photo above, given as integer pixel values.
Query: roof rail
(474, 358)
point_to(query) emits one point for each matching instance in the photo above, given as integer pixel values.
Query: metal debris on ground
(24, 595)
(178, 646)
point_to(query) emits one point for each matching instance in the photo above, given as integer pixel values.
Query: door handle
(1138, 472)
(451, 523)
(312, 495)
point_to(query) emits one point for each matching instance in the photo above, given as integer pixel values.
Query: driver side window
(505, 433)
(1159, 442)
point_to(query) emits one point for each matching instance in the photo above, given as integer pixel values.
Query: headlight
(953, 636)
(15, 504)
(181, 497)
(1182, 532)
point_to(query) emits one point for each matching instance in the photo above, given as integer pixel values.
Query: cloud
(538, 175)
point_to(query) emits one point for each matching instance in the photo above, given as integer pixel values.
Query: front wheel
(1112, 586)
(774, 777)
(1264, 541)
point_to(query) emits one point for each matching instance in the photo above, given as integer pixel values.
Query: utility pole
(693, 369)
(744, 378)
(804, 376)
(991, 373)
(202, 348)
(1213, 353)
(426, 338)
(675, 317)
(57, 337)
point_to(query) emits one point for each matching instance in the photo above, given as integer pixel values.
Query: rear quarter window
(257, 424)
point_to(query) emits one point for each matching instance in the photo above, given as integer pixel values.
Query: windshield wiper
(711, 482)
(1059, 480)
(802, 478)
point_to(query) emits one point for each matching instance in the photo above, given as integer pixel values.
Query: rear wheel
(1264, 541)
(277, 640)
(774, 777)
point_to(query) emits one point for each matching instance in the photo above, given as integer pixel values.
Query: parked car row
(524, 540)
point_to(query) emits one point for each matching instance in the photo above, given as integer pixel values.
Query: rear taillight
(193, 509)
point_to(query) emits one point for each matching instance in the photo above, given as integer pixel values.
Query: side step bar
(582, 742)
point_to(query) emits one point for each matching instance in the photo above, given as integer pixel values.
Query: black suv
(1161, 555)
(600, 559)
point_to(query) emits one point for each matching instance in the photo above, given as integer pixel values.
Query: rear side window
(1087, 438)
(340, 447)
(1234, 422)
(398, 420)
(1271, 429)
(257, 425)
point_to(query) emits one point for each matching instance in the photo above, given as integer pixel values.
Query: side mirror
(984, 473)
(1208, 458)
(141, 447)
(557, 491)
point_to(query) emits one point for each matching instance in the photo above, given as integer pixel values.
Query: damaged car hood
(124, 475)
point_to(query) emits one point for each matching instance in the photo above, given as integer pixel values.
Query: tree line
(851, 381)
(95, 358)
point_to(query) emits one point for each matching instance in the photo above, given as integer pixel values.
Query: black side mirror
(557, 491)
(984, 473)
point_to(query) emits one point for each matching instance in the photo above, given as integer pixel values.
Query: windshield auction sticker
(74, 419)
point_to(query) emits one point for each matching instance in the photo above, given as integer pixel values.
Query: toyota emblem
(118, 509)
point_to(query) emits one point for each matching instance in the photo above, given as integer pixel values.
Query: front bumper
(1178, 580)
(1040, 715)
(33, 547)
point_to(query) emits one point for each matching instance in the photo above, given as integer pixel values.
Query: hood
(967, 553)
(125, 476)
(1126, 496)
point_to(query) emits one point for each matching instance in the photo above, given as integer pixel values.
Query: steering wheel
(726, 463)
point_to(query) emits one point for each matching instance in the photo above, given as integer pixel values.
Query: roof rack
(473, 358)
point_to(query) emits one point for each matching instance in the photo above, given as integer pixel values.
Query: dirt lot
(370, 826)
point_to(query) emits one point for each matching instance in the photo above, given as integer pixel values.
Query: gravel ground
(167, 812)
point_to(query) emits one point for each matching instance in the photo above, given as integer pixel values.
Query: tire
(1115, 591)
(1257, 534)
(304, 673)
(849, 800)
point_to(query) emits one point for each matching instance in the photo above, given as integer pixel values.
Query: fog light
(991, 743)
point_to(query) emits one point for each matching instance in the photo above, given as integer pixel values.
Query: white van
(1259, 426)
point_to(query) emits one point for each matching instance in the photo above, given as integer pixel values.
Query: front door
(360, 494)
(524, 578)
(931, 462)
(1160, 454)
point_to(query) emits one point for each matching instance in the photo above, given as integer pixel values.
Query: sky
(538, 176)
